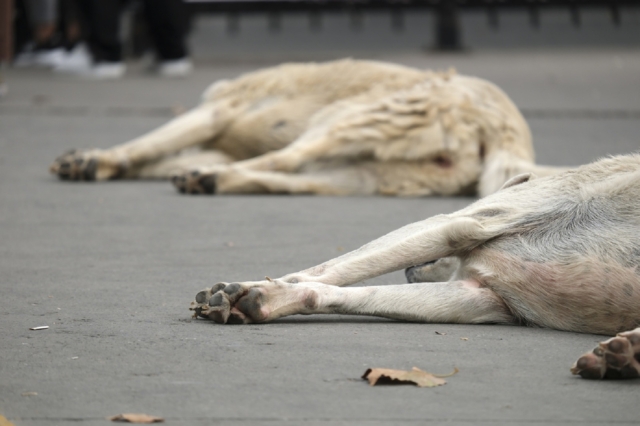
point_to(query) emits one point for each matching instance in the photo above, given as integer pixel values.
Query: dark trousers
(167, 20)
(168, 24)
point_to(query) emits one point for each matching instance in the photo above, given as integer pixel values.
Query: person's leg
(101, 19)
(70, 18)
(100, 22)
(168, 24)
(45, 49)
(43, 15)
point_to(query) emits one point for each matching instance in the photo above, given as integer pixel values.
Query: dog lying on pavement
(561, 252)
(337, 128)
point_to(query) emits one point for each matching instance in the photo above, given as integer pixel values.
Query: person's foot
(39, 57)
(176, 68)
(77, 60)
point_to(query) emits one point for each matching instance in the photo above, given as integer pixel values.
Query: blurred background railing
(447, 22)
(447, 31)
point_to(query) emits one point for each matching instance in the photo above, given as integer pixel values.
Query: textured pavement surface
(111, 269)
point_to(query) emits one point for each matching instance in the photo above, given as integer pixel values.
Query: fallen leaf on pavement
(136, 418)
(416, 376)
(440, 333)
(4, 421)
(464, 338)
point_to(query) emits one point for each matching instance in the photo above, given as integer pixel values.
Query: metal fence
(447, 12)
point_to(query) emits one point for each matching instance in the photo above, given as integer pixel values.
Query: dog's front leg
(453, 302)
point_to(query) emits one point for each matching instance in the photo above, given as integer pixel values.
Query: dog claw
(616, 358)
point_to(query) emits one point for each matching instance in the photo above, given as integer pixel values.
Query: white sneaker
(76, 61)
(178, 68)
(46, 58)
(49, 58)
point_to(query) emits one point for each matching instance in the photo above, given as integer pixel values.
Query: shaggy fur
(338, 128)
(559, 252)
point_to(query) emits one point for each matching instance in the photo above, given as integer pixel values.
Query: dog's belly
(580, 293)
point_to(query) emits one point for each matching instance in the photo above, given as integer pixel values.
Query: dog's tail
(501, 165)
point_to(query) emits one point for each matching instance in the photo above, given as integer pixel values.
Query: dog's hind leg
(616, 358)
(170, 167)
(447, 302)
(232, 180)
(409, 179)
(414, 244)
(123, 161)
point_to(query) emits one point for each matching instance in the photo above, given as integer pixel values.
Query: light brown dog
(561, 252)
(339, 128)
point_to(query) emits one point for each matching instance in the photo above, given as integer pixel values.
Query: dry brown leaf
(4, 421)
(464, 338)
(416, 376)
(136, 418)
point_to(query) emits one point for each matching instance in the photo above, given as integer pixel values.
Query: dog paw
(616, 358)
(233, 303)
(195, 182)
(88, 166)
(246, 303)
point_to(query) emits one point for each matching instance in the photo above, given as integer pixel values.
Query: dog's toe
(202, 303)
(195, 182)
(208, 184)
(616, 358)
(219, 308)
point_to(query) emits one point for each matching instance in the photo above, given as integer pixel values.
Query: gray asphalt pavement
(111, 269)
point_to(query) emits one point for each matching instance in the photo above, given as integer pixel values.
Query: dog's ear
(517, 180)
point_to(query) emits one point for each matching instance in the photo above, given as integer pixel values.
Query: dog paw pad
(234, 303)
(616, 358)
